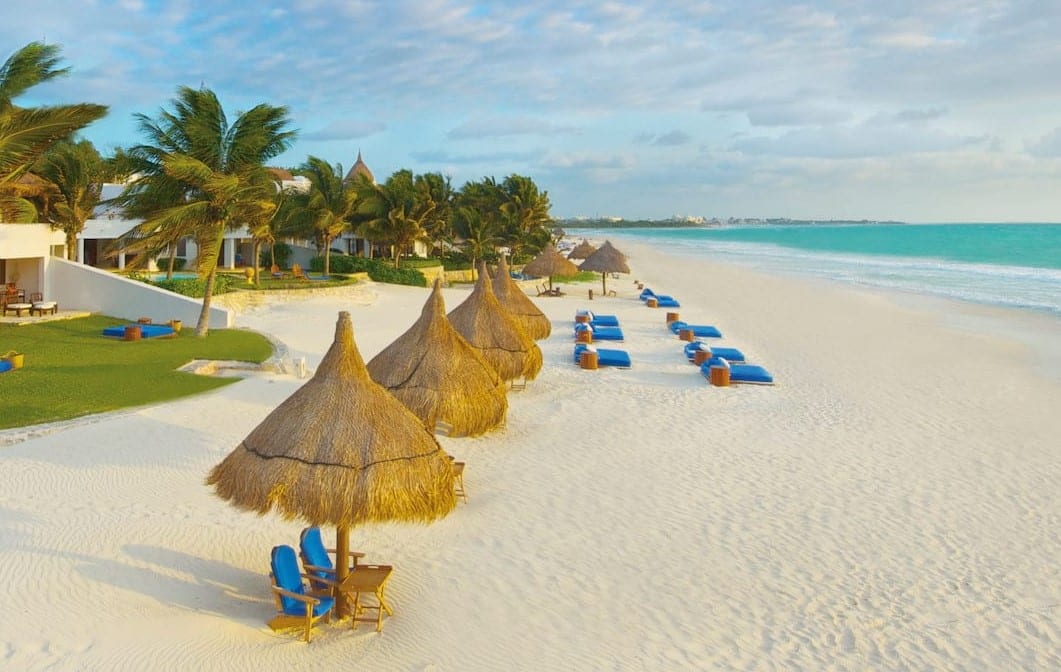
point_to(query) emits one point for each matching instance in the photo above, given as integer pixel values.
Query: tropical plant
(27, 133)
(202, 175)
(325, 209)
(479, 234)
(75, 171)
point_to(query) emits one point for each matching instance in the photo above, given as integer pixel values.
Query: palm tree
(27, 133)
(202, 175)
(479, 233)
(75, 170)
(326, 208)
(526, 213)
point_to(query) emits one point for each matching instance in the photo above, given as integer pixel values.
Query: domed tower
(359, 168)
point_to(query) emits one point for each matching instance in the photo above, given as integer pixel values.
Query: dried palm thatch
(519, 305)
(339, 451)
(549, 263)
(439, 376)
(488, 327)
(582, 250)
(606, 260)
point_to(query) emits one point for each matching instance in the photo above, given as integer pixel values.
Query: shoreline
(890, 502)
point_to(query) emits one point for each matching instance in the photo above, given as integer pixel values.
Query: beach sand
(892, 503)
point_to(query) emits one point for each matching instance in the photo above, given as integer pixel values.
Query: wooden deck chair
(320, 570)
(296, 607)
(297, 273)
(276, 272)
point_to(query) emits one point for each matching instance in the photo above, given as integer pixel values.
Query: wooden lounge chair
(320, 570)
(297, 273)
(296, 606)
(39, 306)
(276, 272)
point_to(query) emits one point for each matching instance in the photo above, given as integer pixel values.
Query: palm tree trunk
(204, 315)
(71, 246)
(327, 254)
(172, 261)
(257, 251)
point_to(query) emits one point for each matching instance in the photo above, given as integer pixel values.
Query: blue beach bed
(605, 357)
(699, 330)
(729, 354)
(599, 320)
(662, 300)
(146, 330)
(739, 373)
(601, 333)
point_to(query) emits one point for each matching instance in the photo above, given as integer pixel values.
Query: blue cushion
(731, 354)
(314, 553)
(286, 575)
(606, 357)
(699, 330)
(146, 330)
(646, 294)
(605, 321)
(740, 373)
(667, 302)
(5, 365)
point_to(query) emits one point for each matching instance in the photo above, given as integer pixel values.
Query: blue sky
(941, 110)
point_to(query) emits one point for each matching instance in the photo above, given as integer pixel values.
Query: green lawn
(71, 369)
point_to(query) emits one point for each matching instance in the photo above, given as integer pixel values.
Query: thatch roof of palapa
(519, 305)
(439, 376)
(488, 327)
(582, 250)
(549, 263)
(340, 451)
(606, 260)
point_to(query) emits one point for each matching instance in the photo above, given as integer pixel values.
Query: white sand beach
(891, 504)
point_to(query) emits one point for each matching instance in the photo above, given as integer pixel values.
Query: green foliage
(196, 287)
(281, 252)
(379, 271)
(71, 370)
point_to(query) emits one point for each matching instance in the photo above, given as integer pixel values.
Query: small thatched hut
(488, 327)
(439, 376)
(339, 451)
(606, 260)
(582, 250)
(519, 305)
(548, 263)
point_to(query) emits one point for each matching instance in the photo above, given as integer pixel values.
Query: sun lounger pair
(738, 373)
(598, 320)
(703, 331)
(729, 354)
(600, 333)
(605, 357)
(662, 300)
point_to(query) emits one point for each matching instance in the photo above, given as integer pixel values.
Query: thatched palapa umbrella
(488, 327)
(550, 263)
(439, 376)
(582, 250)
(339, 451)
(519, 305)
(606, 260)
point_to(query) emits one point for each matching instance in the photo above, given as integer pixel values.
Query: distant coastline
(702, 222)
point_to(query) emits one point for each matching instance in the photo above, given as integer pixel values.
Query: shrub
(378, 270)
(196, 287)
(281, 252)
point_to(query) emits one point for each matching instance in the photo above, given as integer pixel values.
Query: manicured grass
(71, 369)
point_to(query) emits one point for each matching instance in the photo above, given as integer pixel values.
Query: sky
(912, 110)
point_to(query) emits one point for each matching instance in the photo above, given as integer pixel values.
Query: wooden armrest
(309, 599)
(352, 554)
(319, 579)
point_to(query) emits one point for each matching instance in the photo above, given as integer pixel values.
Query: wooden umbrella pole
(342, 566)
(604, 283)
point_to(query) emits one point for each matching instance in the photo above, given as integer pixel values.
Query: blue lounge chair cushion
(146, 330)
(646, 294)
(699, 330)
(314, 553)
(667, 302)
(605, 357)
(599, 320)
(5, 365)
(287, 576)
(739, 373)
(729, 354)
(601, 333)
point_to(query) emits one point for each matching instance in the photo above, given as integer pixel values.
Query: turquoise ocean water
(1012, 265)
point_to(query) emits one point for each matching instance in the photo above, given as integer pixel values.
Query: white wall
(79, 287)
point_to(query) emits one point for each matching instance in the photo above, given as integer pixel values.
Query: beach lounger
(729, 354)
(598, 320)
(699, 330)
(600, 333)
(296, 606)
(146, 331)
(662, 300)
(605, 357)
(738, 373)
